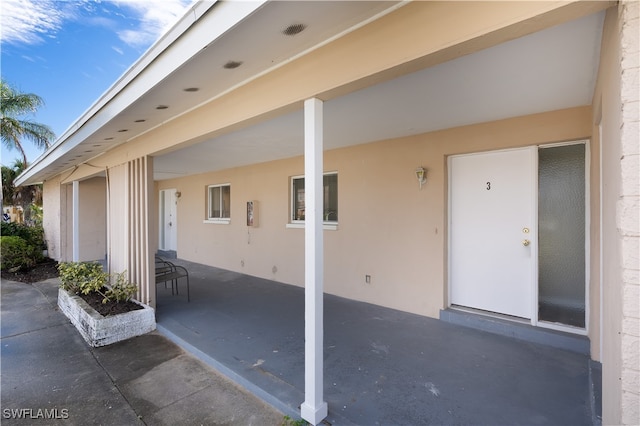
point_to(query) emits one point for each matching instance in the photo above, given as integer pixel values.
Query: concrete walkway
(50, 376)
(382, 366)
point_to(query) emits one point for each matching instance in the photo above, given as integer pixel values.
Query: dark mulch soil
(48, 268)
(110, 308)
(44, 270)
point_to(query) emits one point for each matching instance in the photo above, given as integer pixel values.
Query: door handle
(526, 242)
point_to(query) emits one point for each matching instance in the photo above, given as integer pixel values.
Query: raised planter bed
(98, 330)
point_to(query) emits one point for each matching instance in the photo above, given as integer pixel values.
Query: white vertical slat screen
(130, 191)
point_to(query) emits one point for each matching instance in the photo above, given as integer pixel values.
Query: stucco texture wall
(58, 219)
(92, 223)
(53, 202)
(388, 227)
(616, 112)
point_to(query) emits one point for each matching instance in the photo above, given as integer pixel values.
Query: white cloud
(155, 18)
(28, 21)
(33, 21)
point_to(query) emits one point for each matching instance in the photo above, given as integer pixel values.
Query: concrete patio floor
(382, 366)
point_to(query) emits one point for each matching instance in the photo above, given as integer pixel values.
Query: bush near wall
(16, 254)
(33, 235)
(21, 246)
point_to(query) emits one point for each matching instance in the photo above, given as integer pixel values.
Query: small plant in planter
(82, 277)
(89, 281)
(100, 305)
(121, 290)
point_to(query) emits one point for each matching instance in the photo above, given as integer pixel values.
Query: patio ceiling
(549, 70)
(546, 71)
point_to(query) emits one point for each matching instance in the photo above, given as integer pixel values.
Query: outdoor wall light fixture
(178, 194)
(421, 175)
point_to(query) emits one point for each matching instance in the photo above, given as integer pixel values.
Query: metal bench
(169, 272)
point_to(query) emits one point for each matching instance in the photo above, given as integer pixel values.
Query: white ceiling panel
(549, 70)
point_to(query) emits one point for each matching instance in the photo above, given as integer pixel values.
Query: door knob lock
(526, 242)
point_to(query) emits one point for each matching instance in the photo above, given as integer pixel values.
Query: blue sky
(69, 52)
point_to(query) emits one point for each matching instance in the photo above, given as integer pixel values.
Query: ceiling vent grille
(294, 29)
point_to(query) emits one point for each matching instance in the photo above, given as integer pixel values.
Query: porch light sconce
(178, 194)
(421, 175)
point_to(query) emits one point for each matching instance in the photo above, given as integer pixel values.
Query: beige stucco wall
(68, 222)
(616, 112)
(116, 231)
(53, 221)
(388, 227)
(58, 219)
(92, 221)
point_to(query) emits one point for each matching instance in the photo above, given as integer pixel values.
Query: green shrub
(36, 237)
(82, 277)
(89, 277)
(33, 235)
(121, 289)
(16, 254)
(15, 229)
(36, 214)
(288, 421)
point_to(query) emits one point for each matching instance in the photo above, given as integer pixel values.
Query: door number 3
(488, 186)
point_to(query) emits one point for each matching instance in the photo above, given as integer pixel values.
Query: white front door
(492, 231)
(168, 213)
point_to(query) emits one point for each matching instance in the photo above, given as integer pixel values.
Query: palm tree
(23, 196)
(14, 105)
(8, 187)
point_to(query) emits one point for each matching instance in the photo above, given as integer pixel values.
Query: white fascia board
(177, 46)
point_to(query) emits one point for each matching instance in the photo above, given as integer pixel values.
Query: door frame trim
(534, 290)
(161, 210)
(534, 252)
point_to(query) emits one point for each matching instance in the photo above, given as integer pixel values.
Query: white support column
(76, 221)
(314, 409)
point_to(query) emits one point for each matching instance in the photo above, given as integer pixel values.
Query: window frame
(299, 223)
(220, 220)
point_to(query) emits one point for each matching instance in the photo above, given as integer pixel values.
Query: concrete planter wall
(101, 331)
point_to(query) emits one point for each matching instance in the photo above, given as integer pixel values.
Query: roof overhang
(547, 70)
(196, 53)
